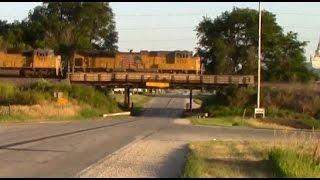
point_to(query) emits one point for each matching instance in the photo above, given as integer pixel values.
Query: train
(143, 61)
(32, 63)
(44, 63)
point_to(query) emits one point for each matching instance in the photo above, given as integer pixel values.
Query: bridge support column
(127, 97)
(190, 103)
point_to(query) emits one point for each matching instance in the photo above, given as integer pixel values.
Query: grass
(289, 163)
(294, 156)
(220, 121)
(36, 102)
(230, 121)
(14, 118)
(225, 159)
(292, 109)
(298, 157)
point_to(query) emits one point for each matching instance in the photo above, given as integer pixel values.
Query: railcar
(37, 63)
(143, 61)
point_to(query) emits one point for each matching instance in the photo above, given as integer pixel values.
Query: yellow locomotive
(32, 63)
(143, 61)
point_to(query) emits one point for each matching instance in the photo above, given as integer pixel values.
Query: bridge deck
(140, 79)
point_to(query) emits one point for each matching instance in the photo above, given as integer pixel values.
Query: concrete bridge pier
(127, 103)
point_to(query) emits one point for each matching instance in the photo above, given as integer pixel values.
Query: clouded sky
(170, 25)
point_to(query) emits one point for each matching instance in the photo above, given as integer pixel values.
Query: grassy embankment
(299, 158)
(285, 108)
(37, 102)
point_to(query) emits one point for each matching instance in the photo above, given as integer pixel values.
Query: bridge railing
(135, 77)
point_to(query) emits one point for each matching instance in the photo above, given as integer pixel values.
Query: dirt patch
(182, 121)
(260, 124)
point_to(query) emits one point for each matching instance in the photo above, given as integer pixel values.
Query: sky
(171, 25)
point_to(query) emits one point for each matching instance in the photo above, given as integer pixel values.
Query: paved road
(65, 149)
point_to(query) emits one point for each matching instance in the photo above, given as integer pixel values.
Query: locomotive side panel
(129, 62)
(144, 61)
(103, 63)
(11, 61)
(44, 62)
(180, 63)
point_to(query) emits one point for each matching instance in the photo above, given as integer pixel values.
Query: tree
(230, 44)
(65, 26)
(12, 36)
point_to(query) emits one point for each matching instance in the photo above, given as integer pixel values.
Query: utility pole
(259, 110)
(259, 57)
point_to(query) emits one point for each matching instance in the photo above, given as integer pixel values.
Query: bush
(94, 98)
(7, 92)
(42, 86)
(29, 97)
(295, 104)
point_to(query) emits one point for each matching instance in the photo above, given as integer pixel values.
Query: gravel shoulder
(144, 158)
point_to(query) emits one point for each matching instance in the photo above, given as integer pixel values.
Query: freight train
(35, 63)
(44, 63)
(143, 61)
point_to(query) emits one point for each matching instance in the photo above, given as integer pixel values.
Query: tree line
(228, 43)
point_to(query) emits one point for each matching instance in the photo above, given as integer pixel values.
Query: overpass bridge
(158, 80)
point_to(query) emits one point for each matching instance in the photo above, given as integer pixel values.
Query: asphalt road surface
(64, 149)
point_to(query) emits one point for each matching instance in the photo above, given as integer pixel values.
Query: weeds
(299, 156)
(294, 108)
(93, 102)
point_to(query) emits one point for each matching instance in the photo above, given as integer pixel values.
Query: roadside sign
(157, 84)
(259, 111)
(62, 101)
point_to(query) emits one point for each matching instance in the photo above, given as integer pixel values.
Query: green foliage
(7, 92)
(229, 43)
(193, 166)
(85, 94)
(62, 26)
(29, 97)
(97, 101)
(293, 164)
(10, 94)
(293, 108)
(73, 25)
(89, 113)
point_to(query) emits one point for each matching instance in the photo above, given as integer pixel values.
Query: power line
(188, 27)
(182, 39)
(207, 13)
(160, 40)
(152, 28)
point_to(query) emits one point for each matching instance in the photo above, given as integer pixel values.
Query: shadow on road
(7, 146)
(174, 163)
(161, 112)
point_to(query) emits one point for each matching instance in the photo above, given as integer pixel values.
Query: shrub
(7, 92)
(284, 103)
